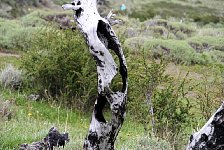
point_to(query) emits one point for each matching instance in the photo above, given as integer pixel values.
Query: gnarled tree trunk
(211, 135)
(100, 38)
(52, 139)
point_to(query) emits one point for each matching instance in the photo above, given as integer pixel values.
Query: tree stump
(211, 135)
(101, 38)
(52, 139)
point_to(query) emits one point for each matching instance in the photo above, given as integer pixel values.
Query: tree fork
(100, 37)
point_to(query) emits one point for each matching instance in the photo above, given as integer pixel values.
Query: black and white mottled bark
(100, 37)
(211, 135)
(52, 139)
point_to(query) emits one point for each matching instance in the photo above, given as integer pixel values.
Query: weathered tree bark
(52, 139)
(211, 135)
(100, 37)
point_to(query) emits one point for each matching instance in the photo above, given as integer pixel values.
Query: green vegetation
(199, 12)
(13, 36)
(177, 51)
(206, 43)
(17, 34)
(32, 120)
(18, 8)
(59, 64)
(182, 43)
(175, 57)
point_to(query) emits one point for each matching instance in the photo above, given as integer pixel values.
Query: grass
(32, 120)
(9, 60)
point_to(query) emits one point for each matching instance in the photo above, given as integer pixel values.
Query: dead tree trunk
(211, 135)
(100, 38)
(53, 139)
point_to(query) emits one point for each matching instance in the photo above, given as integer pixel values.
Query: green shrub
(179, 26)
(159, 31)
(181, 30)
(59, 63)
(33, 19)
(206, 43)
(175, 50)
(146, 75)
(172, 110)
(135, 43)
(161, 104)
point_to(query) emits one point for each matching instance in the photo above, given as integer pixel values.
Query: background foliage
(59, 64)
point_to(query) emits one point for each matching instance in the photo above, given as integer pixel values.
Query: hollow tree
(101, 38)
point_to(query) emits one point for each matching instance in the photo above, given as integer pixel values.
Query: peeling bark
(211, 135)
(100, 37)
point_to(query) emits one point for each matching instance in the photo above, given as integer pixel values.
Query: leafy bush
(11, 77)
(177, 51)
(59, 63)
(161, 104)
(172, 109)
(147, 75)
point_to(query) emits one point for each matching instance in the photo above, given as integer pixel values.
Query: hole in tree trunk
(107, 112)
(101, 101)
(108, 39)
(102, 110)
